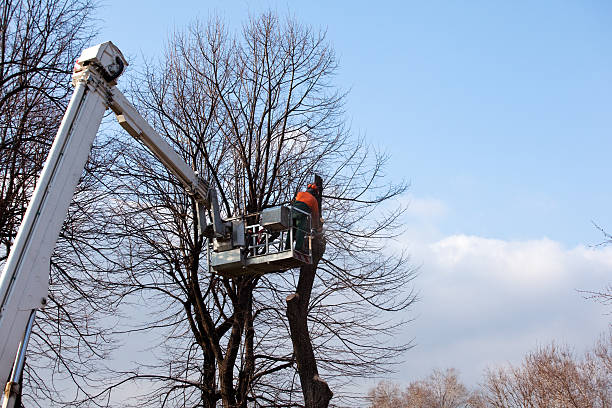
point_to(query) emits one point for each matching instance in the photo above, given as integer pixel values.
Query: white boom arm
(24, 282)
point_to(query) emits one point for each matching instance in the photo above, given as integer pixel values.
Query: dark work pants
(300, 225)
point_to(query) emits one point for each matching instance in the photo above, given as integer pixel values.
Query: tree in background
(554, 377)
(258, 115)
(441, 389)
(548, 377)
(387, 395)
(39, 42)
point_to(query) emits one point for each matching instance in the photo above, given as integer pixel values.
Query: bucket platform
(269, 244)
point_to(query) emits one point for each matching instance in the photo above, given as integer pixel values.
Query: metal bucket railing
(261, 242)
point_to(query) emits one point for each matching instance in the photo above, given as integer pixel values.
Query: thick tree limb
(317, 393)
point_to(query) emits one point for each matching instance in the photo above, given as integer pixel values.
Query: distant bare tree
(553, 377)
(549, 377)
(258, 115)
(441, 389)
(387, 395)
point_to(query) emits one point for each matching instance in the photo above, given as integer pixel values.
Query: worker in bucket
(307, 202)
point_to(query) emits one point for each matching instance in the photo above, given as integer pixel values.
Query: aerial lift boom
(24, 282)
(235, 246)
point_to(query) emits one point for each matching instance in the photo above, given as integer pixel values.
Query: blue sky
(501, 111)
(498, 113)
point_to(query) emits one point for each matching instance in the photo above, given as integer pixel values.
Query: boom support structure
(24, 282)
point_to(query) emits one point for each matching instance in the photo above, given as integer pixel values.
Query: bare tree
(387, 395)
(258, 115)
(548, 377)
(441, 389)
(603, 296)
(552, 376)
(39, 42)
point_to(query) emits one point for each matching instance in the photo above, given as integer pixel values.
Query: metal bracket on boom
(105, 58)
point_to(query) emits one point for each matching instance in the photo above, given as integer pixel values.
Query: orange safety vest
(311, 202)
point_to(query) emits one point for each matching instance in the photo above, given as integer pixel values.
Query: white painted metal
(24, 282)
(25, 279)
(13, 387)
(104, 56)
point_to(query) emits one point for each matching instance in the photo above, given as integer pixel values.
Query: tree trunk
(316, 391)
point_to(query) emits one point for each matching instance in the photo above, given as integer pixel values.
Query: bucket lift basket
(268, 245)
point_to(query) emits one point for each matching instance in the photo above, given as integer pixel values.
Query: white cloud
(425, 207)
(486, 302)
(528, 265)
